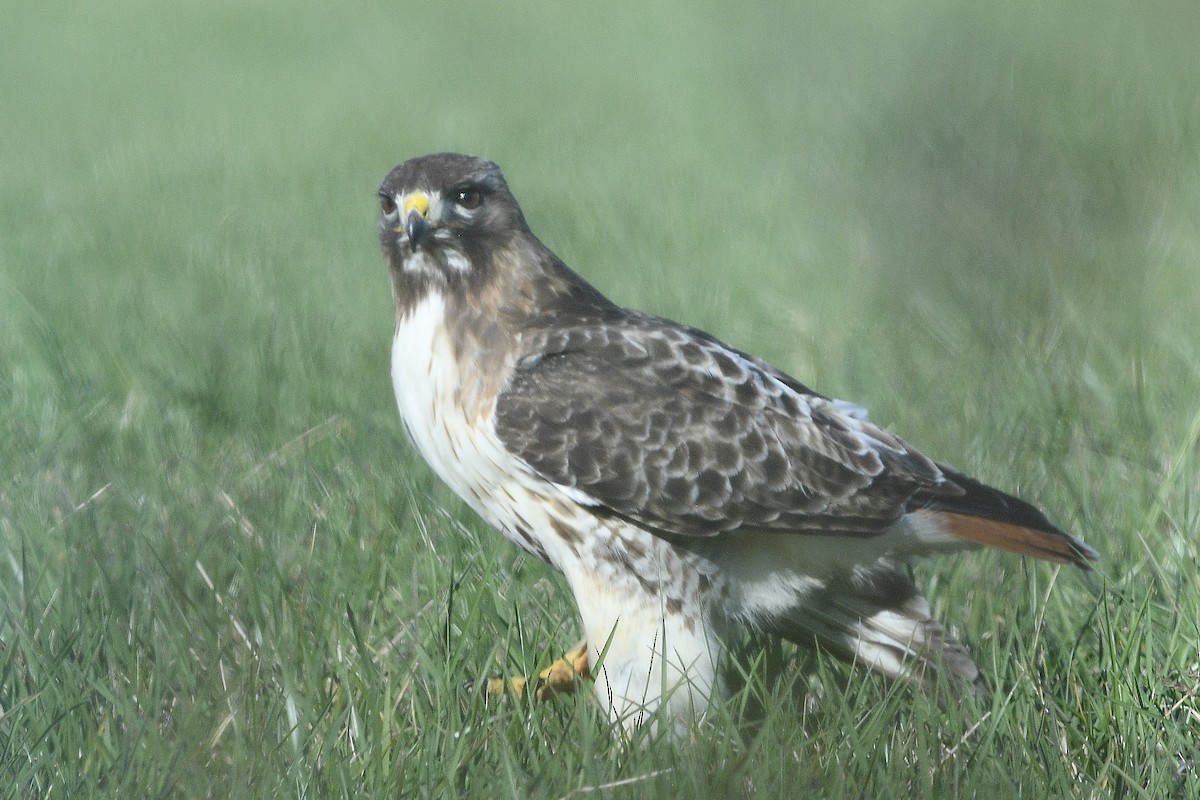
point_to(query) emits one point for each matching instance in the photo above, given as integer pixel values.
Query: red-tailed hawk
(684, 488)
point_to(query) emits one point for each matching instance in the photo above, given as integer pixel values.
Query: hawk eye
(387, 203)
(469, 199)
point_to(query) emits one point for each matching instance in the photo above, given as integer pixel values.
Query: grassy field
(225, 574)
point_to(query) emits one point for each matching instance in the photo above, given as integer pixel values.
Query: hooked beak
(416, 217)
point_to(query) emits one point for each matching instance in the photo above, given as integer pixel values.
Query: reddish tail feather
(993, 518)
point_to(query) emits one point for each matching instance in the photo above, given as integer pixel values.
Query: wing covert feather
(665, 425)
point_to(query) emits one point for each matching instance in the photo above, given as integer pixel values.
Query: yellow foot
(559, 678)
(499, 686)
(563, 675)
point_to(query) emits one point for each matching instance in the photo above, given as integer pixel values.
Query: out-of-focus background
(224, 573)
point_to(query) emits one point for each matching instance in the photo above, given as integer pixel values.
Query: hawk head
(444, 219)
(449, 224)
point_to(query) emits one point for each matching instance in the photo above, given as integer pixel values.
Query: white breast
(426, 378)
(460, 442)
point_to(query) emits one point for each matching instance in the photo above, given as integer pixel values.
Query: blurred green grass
(223, 572)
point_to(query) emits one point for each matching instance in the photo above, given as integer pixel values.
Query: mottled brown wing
(664, 425)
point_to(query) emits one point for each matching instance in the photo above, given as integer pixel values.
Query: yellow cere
(417, 201)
